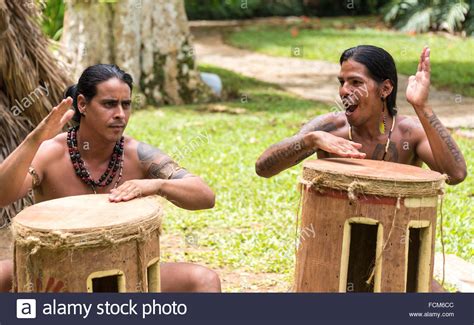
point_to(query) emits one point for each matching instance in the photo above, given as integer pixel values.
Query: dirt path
(310, 79)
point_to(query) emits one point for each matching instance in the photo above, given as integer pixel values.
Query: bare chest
(400, 149)
(60, 179)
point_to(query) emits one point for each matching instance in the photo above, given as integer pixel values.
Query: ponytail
(71, 91)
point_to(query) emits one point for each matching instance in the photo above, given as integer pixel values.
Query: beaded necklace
(115, 163)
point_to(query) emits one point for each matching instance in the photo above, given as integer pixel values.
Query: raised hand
(419, 84)
(338, 146)
(52, 124)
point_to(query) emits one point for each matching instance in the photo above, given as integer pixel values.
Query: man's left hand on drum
(135, 188)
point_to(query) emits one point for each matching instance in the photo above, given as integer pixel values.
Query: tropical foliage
(52, 19)
(425, 15)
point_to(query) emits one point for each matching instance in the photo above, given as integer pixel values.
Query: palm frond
(416, 21)
(452, 16)
(423, 15)
(26, 63)
(391, 11)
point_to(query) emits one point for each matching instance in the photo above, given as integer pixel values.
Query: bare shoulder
(410, 126)
(405, 122)
(50, 151)
(53, 148)
(327, 122)
(143, 152)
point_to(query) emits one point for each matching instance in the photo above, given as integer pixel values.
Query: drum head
(373, 169)
(85, 212)
(372, 177)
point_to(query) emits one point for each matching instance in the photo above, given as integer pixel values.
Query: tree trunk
(149, 39)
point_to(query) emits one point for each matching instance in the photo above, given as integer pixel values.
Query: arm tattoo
(297, 149)
(147, 153)
(444, 134)
(392, 152)
(159, 164)
(293, 148)
(304, 155)
(328, 127)
(378, 152)
(317, 126)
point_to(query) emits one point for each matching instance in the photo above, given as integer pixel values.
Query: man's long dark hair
(87, 85)
(380, 65)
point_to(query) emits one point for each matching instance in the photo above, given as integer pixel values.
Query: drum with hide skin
(374, 226)
(88, 244)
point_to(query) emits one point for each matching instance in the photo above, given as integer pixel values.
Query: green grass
(452, 58)
(252, 226)
(458, 210)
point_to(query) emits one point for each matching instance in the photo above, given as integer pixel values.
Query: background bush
(53, 16)
(406, 15)
(425, 15)
(241, 9)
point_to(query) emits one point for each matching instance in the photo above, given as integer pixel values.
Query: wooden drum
(87, 244)
(366, 226)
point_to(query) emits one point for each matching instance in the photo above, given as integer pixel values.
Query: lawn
(325, 39)
(252, 226)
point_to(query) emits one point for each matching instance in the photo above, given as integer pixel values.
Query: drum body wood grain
(374, 227)
(87, 244)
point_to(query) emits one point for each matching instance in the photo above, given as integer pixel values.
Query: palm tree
(31, 80)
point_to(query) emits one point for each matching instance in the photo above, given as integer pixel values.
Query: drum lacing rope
(316, 184)
(442, 237)
(354, 188)
(298, 212)
(377, 259)
(139, 243)
(97, 237)
(29, 265)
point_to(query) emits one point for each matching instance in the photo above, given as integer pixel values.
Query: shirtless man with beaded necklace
(95, 157)
(370, 127)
